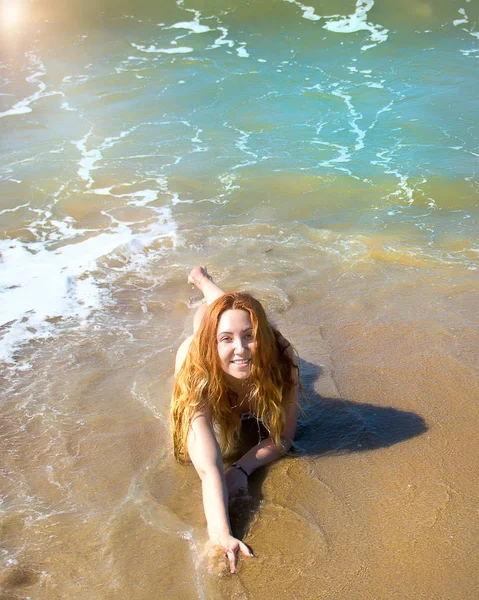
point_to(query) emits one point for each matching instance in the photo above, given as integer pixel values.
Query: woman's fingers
(232, 557)
(232, 554)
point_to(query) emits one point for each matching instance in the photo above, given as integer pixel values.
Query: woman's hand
(236, 482)
(231, 547)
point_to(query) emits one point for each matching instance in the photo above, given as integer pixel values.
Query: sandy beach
(380, 502)
(322, 157)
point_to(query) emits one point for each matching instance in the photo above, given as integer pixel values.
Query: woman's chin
(238, 374)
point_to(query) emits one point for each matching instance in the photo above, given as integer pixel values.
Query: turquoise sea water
(124, 123)
(322, 155)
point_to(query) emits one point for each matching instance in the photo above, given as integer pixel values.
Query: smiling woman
(236, 344)
(235, 365)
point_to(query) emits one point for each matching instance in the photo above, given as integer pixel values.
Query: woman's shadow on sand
(331, 426)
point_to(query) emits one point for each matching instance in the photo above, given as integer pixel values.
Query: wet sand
(381, 501)
(325, 163)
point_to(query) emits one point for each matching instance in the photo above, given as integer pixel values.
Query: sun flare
(11, 13)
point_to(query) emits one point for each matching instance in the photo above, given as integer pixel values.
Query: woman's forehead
(234, 319)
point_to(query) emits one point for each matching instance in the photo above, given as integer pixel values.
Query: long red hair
(201, 386)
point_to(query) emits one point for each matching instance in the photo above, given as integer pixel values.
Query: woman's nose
(240, 345)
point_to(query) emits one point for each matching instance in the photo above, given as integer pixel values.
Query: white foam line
(193, 26)
(350, 23)
(358, 22)
(463, 21)
(146, 196)
(77, 79)
(66, 106)
(465, 18)
(38, 284)
(181, 4)
(91, 157)
(228, 181)
(222, 40)
(355, 116)
(343, 156)
(88, 160)
(7, 210)
(308, 11)
(382, 110)
(29, 159)
(198, 141)
(403, 186)
(241, 50)
(163, 187)
(242, 144)
(23, 106)
(154, 49)
(164, 226)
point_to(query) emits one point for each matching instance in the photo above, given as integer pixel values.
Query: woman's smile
(235, 339)
(241, 363)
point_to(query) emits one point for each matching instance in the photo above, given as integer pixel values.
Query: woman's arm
(205, 455)
(266, 451)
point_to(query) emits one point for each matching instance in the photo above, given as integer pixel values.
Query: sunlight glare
(11, 13)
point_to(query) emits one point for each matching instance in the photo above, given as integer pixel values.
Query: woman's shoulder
(182, 352)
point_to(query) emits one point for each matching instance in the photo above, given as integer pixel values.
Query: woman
(236, 365)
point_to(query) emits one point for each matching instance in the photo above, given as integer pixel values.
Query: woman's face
(236, 343)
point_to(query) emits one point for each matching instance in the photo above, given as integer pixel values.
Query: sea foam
(358, 22)
(23, 106)
(39, 283)
(154, 49)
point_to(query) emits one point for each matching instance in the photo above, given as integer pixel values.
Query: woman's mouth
(240, 362)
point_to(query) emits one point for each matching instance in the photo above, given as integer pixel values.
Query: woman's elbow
(209, 468)
(202, 472)
(209, 473)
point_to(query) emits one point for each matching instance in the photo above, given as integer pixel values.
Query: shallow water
(321, 156)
